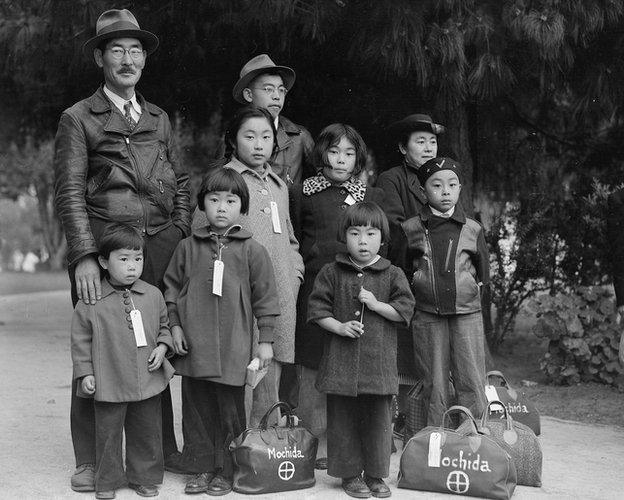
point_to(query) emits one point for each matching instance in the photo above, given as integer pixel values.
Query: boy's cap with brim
(434, 165)
(257, 66)
(414, 123)
(117, 23)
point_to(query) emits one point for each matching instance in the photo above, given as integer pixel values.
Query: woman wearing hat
(416, 137)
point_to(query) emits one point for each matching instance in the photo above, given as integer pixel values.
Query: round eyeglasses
(271, 89)
(135, 53)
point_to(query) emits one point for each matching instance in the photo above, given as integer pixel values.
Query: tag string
(131, 301)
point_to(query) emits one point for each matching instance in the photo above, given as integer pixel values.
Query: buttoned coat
(283, 248)
(316, 220)
(106, 171)
(103, 343)
(219, 329)
(368, 364)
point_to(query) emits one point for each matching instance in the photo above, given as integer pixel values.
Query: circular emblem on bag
(286, 470)
(458, 482)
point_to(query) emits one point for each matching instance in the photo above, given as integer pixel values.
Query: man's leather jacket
(105, 171)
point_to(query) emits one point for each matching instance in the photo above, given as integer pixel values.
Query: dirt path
(36, 459)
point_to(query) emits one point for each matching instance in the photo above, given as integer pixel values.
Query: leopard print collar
(319, 182)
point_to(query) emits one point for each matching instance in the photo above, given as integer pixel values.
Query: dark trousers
(157, 254)
(213, 415)
(359, 435)
(144, 458)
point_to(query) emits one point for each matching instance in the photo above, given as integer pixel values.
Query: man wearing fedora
(265, 85)
(115, 162)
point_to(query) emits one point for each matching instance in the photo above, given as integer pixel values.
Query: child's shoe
(105, 495)
(219, 486)
(355, 487)
(198, 484)
(377, 486)
(83, 478)
(144, 490)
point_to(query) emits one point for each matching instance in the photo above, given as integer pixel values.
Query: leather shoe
(355, 487)
(198, 484)
(105, 495)
(144, 490)
(83, 478)
(377, 486)
(219, 486)
(174, 464)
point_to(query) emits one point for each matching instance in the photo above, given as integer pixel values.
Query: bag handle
(279, 404)
(496, 373)
(486, 414)
(465, 411)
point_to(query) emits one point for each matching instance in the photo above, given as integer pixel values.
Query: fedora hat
(415, 122)
(256, 66)
(117, 23)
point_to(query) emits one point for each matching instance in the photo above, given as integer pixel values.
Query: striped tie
(128, 115)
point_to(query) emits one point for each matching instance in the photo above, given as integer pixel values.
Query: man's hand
(88, 384)
(88, 284)
(157, 357)
(353, 329)
(265, 354)
(179, 341)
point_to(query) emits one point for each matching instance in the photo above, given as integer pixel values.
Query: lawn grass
(13, 282)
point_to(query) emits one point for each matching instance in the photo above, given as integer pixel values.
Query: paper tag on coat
(277, 227)
(217, 277)
(349, 200)
(137, 326)
(491, 394)
(435, 449)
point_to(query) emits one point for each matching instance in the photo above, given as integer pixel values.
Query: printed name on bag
(511, 408)
(287, 452)
(466, 462)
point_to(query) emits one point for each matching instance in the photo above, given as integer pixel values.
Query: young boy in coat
(118, 347)
(451, 265)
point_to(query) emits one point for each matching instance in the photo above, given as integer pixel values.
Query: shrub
(583, 336)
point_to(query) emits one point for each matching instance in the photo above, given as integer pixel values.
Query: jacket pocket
(163, 184)
(97, 182)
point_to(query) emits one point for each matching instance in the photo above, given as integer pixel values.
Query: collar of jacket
(148, 122)
(289, 127)
(319, 182)
(380, 265)
(458, 215)
(241, 168)
(139, 286)
(235, 232)
(413, 184)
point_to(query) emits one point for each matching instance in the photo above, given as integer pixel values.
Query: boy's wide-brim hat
(117, 23)
(257, 66)
(414, 123)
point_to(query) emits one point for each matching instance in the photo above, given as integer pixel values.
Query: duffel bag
(449, 461)
(274, 459)
(517, 403)
(518, 440)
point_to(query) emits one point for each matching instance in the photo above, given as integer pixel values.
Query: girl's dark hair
(366, 213)
(118, 236)
(330, 136)
(224, 179)
(241, 116)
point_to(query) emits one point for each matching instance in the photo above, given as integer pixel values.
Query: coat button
(359, 275)
(129, 326)
(342, 207)
(127, 302)
(264, 192)
(129, 319)
(128, 310)
(126, 295)
(214, 255)
(342, 191)
(357, 313)
(266, 210)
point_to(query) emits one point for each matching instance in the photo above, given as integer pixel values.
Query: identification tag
(349, 200)
(277, 227)
(435, 449)
(217, 277)
(137, 326)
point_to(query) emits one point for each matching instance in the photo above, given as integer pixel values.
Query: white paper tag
(491, 394)
(217, 277)
(277, 227)
(435, 449)
(349, 200)
(137, 326)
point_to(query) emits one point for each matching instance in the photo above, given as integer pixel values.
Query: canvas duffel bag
(517, 403)
(460, 462)
(274, 459)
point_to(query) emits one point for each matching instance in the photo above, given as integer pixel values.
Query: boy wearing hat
(115, 162)
(451, 266)
(265, 85)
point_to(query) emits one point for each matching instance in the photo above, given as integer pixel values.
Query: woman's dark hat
(119, 24)
(414, 123)
(257, 66)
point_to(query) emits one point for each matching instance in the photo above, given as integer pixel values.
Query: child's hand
(179, 340)
(265, 354)
(367, 297)
(353, 329)
(156, 358)
(88, 384)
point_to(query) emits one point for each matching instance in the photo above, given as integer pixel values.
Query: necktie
(128, 115)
